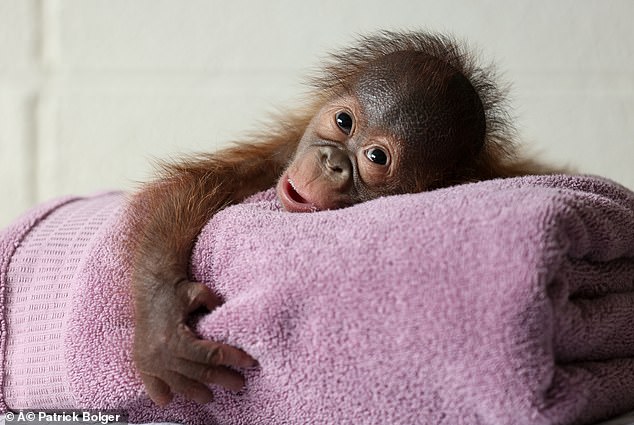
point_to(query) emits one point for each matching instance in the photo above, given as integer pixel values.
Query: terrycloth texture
(502, 302)
(10, 239)
(50, 257)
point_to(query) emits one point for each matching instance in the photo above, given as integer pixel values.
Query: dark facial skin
(339, 161)
(390, 132)
(394, 113)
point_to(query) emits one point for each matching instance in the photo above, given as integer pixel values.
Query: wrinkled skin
(187, 361)
(397, 113)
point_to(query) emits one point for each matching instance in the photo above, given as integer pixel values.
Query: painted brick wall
(91, 91)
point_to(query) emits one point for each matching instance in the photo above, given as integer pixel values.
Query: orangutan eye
(377, 155)
(344, 122)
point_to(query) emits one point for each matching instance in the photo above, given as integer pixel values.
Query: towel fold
(500, 302)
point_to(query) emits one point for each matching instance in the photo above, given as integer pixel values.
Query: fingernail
(204, 398)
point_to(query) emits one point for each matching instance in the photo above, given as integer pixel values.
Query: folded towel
(500, 302)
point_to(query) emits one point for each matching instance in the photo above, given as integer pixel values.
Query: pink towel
(501, 302)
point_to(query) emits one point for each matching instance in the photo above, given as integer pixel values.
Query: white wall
(91, 90)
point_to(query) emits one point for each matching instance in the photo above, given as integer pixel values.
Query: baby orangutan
(394, 113)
